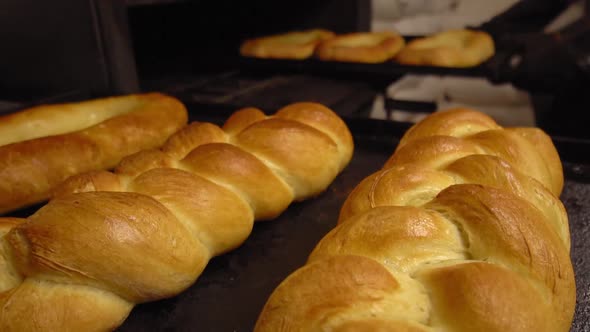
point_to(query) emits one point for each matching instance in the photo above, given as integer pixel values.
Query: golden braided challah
(460, 231)
(107, 241)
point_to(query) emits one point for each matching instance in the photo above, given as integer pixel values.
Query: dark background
(103, 47)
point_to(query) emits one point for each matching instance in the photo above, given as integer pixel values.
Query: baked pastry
(144, 232)
(42, 146)
(366, 47)
(454, 48)
(296, 45)
(460, 231)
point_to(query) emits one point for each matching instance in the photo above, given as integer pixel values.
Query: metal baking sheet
(232, 290)
(385, 70)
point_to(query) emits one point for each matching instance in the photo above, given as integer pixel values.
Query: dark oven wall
(90, 48)
(78, 48)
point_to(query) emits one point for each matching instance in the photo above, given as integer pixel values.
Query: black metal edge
(572, 151)
(385, 70)
(410, 105)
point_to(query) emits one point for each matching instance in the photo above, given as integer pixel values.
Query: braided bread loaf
(42, 146)
(460, 231)
(107, 241)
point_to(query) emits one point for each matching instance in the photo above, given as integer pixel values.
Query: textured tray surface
(576, 198)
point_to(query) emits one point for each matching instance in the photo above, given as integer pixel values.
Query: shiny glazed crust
(366, 47)
(461, 230)
(42, 146)
(454, 48)
(109, 240)
(295, 45)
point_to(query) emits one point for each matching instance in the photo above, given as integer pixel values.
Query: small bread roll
(366, 47)
(454, 48)
(297, 45)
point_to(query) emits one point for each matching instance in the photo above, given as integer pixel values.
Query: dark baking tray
(386, 70)
(232, 290)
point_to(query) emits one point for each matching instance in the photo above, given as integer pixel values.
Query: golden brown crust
(8, 223)
(244, 175)
(307, 168)
(337, 289)
(465, 217)
(478, 296)
(77, 138)
(456, 122)
(242, 119)
(296, 45)
(454, 48)
(545, 148)
(319, 117)
(415, 185)
(367, 47)
(447, 136)
(402, 238)
(89, 309)
(146, 230)
(191, 136)
(380, 325)
(90, 181)
(44, 246)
